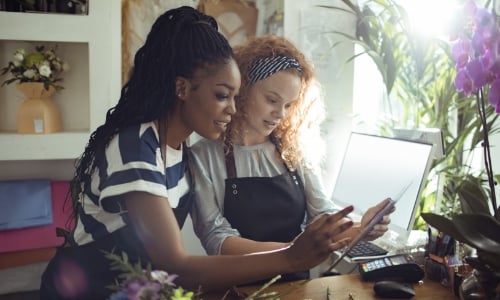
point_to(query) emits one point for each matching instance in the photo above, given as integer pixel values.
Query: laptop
(375, 168)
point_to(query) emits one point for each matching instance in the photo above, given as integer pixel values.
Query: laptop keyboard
(364, 248)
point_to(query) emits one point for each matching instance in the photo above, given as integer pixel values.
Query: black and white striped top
(131, 162)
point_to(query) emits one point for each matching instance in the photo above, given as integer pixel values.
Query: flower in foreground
(180, 294)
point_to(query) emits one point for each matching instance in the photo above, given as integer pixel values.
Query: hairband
(265, 67)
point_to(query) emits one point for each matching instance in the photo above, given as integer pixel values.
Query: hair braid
(181, 41)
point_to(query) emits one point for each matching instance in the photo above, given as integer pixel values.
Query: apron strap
(230, 165)
(69, 241)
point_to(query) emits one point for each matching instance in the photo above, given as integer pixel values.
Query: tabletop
(348, 287)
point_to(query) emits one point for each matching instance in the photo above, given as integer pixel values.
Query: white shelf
(91, 44)
(65, 145)
(46, 27)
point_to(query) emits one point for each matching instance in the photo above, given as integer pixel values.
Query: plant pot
(38, 113)
(480, 285)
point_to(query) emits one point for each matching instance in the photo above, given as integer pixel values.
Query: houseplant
(43, 65)
(477, 56)
(419, 76)
(37, 75)
(418, 73)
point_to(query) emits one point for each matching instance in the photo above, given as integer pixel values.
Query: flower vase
(38, 113)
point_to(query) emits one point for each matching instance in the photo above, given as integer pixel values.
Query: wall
(311, 27)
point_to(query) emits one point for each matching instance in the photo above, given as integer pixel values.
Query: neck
(247, 139)
(172, 132)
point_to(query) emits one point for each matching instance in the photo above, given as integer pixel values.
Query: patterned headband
(265, 67)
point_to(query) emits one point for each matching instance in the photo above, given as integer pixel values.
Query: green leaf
(472, 196)
(444, 225)
(480, 231)
(492, 260)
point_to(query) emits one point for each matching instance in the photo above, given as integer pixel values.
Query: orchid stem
(486, 148)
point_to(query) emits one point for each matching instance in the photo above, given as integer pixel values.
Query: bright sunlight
(430, 17)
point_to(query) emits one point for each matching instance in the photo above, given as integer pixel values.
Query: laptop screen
(375, 168)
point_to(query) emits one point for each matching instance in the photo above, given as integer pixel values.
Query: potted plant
(478, 73)
(37, 75)
(42, 66)
(419, 76)
(418, 73)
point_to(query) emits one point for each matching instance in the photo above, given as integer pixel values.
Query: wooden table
(340, 287)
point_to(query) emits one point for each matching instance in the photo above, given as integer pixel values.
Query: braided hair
(181, 41)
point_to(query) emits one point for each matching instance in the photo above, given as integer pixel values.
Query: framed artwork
(237, 19)
(137, 18)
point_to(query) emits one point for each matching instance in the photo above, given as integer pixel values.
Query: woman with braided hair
(132, 187)
(257, 188)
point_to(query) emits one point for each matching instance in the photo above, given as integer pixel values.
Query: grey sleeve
(209, 223)
(317, 200)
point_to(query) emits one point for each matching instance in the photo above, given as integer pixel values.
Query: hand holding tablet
(376, 219)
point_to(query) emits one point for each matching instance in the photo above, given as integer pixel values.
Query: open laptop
(375, 168)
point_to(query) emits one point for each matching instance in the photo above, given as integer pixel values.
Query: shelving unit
(91, 44)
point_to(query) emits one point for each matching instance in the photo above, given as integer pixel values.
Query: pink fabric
(41, 236)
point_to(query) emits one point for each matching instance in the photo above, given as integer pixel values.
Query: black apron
(265, 209)
(91, 261)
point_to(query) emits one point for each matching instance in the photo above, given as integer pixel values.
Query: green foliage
(480, 231)
(418, 73)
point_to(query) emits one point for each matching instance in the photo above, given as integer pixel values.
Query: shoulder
(136, 142)
(207, 147)
(207, 154)
(145, 132)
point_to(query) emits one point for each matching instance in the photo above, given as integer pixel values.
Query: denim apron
(265, 208)
(86, 268)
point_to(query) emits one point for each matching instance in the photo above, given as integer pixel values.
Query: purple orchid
(477, 55)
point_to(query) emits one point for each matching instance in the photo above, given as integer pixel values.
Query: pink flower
(463, 82)
(461, 52)
(494, 95)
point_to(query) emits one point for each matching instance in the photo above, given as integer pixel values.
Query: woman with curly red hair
(258, 186)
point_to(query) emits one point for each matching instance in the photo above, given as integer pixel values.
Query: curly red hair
(303, 116)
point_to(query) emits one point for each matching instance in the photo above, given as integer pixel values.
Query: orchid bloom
(477, 55)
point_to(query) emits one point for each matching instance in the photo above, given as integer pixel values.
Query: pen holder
(446, 272)
(457, 273)
(437, 270)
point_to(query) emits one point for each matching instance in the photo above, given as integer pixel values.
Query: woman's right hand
(317, 241)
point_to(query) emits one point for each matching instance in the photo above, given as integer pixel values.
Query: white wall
(312, 29)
